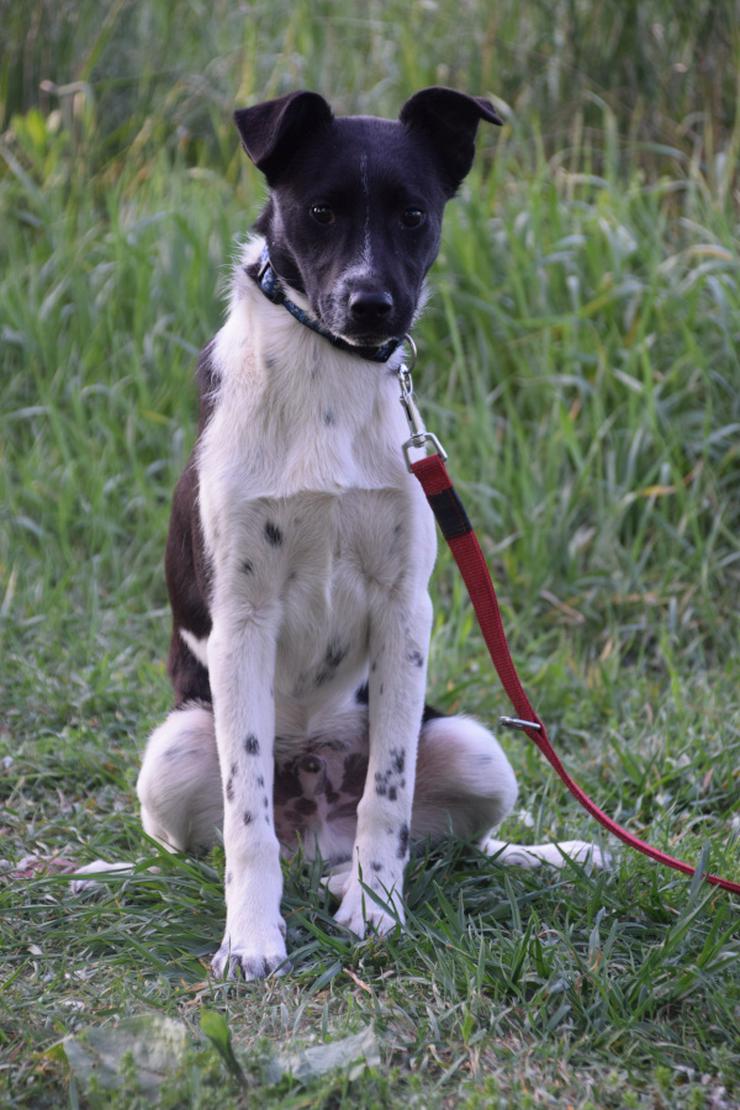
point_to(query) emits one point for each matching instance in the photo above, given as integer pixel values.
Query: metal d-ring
(414, 353)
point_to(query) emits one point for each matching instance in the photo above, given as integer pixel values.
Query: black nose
(369, 306)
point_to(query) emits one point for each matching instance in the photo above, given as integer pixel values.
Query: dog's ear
(272, 131)
(450, 120)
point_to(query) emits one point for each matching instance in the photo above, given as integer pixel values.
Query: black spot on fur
(398, 760)
(247, 566)
(252, 745)
(376, 866)
(230, 783)
(403, 841)
(260, 780)
(273, 535)
(374, 666)
(266, 802)
(392, 794)
(416, 658)
(329, 418)
(362, 696)
(335, 653)
(248, 818)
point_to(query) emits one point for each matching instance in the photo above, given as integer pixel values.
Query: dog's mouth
(361, 333)
(367, 339)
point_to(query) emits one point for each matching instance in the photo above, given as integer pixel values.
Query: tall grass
(578, 359)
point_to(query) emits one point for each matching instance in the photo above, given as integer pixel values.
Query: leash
(457, 530)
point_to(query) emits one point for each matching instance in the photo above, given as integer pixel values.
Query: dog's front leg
(399, 639)
(241, 663)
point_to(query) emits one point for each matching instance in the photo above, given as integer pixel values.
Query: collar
(270, 284)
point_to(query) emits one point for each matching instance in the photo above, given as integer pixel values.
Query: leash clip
(419, 434)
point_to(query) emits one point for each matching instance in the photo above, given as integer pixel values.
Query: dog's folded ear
(272, 131)
(450, 120)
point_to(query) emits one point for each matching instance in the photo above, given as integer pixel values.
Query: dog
(300, 547)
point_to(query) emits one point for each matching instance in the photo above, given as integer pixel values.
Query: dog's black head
(355, 209)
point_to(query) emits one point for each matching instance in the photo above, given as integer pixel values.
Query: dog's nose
(368, 306)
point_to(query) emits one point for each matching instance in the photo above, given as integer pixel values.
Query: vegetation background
(579, 359)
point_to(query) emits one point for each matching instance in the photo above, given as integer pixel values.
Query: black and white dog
(300, 547)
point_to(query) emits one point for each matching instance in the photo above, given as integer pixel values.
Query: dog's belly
(316, 795)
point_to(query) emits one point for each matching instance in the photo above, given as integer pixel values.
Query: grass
(579, 362)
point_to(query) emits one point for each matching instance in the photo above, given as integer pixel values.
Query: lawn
(579, 361)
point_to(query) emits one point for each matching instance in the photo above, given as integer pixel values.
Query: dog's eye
(413, 217)
(322, 213)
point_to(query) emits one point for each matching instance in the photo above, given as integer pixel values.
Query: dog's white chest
(319, 565)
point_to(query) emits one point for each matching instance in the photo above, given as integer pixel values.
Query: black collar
(269, 283)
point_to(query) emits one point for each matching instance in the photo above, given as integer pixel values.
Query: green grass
(578, 360)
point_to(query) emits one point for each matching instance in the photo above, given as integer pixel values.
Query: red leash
(463, 543)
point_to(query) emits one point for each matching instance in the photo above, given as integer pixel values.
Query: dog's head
(355, 210)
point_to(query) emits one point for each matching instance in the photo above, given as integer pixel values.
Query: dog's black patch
(416, 658)
(247, 567)
(248, 817)
(362, 694)
(306, 806)
(355, 773)
(252, 745)
(403, 841)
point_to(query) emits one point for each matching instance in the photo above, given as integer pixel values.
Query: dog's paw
(553, 855)
(582, 851)
(360, 913)
(254, 958)
(97, 867)
(337, 881)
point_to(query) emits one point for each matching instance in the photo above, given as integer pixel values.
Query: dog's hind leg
(464, 782)
(465, 786)
(179, 785)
